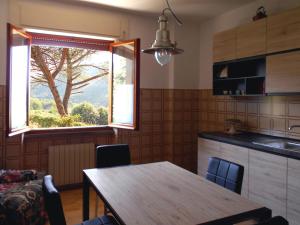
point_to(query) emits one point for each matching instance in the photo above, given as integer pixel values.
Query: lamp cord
(178, 21)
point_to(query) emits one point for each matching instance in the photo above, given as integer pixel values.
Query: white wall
(3, 19)
(85, 19)
(229, 20)
(186, 68)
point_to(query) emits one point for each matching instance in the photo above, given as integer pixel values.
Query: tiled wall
(169, 123)
(269, 114)
(168, 131)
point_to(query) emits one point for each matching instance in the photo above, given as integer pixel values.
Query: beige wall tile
(265, 108)
(242, 118)
(279, 124)
(230, 106)
(294, 109)
(252, 108)
(278, 109)
(264, 123)
(240, 107)
(252, 122)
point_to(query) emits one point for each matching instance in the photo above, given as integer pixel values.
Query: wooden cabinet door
(293, 192)
(283, 73)
(267, 181)
(240, 156)
(224, 45)
(251, 39)
(283, 31)
(206, 149)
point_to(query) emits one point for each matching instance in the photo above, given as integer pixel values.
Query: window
(59, 81)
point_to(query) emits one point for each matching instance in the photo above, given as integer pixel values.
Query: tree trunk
(69, 84)
(59, 105)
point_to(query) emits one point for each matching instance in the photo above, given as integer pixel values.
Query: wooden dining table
(164, 194)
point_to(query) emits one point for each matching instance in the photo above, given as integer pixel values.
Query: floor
(72, 204)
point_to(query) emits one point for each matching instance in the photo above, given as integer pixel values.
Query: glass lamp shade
(163, 56)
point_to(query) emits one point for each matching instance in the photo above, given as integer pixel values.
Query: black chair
(277, 220)
(110, 156)
(55, 211)
(226, 174)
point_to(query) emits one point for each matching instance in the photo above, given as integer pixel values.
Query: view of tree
(65, 72)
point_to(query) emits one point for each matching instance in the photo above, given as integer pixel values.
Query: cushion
(22, 204)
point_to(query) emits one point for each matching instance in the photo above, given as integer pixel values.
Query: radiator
(66, 162)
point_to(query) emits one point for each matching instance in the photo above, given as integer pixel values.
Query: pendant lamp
(162, 48)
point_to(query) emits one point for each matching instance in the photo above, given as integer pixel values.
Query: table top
(163, 193)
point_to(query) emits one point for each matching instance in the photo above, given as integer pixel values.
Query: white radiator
(66, 162)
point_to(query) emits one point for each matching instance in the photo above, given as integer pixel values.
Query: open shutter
(125, 84)
(18, 58)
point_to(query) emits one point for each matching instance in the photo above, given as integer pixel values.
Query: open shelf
(241, 77)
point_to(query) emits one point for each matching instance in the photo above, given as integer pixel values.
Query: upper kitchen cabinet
(283, 31)
(251, 39)
(283, 73)
(224, 45)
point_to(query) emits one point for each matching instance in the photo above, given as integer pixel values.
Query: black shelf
(240, 78)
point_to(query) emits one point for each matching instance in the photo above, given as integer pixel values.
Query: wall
(229, 20)
(186, 68)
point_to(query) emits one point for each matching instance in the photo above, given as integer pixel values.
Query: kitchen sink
(280, 144)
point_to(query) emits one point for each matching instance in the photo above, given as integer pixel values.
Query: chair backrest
(53, 203)
(225, 173)
(277, 220)
(112, 155)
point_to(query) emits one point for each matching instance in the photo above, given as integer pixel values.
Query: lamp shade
(162, 47)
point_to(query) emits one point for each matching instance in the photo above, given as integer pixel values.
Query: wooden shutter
(18, 58)
(125, 84)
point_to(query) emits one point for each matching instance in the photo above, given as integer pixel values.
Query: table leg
(86, 198)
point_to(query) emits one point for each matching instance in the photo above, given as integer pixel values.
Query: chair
(226, 174)
(277, 220)
(110, 156)
(55, 211)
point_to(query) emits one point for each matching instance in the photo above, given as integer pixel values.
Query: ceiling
(197, 10)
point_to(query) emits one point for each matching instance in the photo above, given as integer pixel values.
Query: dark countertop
(245, 139)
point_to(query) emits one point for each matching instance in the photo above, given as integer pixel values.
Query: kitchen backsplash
(265, 114)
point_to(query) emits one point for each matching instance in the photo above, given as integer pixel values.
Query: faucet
(293, 126)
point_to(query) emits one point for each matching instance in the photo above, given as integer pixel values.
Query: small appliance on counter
(233, 126)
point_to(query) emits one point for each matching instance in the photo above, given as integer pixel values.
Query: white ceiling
(197, 10)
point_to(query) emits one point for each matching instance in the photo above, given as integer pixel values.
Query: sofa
(21, 198)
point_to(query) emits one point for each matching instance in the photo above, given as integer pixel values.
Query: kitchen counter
(246, 139)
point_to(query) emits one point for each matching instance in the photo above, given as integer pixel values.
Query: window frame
(10, 131)
(105, 129)
(136, 104)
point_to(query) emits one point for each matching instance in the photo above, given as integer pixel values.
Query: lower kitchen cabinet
(293, 192)
(240, 156)
(268, 181)
(206, 149)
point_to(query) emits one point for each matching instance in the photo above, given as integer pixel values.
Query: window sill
(46, 132)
